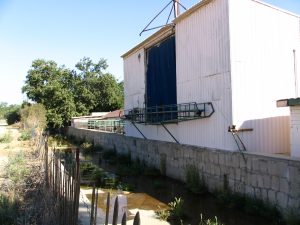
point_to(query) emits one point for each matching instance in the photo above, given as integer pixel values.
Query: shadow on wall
(269, 135)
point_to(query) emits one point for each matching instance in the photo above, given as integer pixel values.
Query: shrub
(193, 181)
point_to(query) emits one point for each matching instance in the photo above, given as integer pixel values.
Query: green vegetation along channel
(174, 201)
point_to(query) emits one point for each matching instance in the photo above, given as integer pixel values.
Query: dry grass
(22, 181)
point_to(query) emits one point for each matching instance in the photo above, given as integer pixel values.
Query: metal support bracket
(170, 133)
(138, 130)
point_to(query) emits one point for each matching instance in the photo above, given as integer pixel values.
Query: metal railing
(115, 126)
(170, 113)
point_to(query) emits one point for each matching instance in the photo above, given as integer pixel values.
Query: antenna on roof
(175, 8)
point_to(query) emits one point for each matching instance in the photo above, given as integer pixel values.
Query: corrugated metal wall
(203, 74)
(262, 41)
(295, 131)
(237, 55)
(134, 80)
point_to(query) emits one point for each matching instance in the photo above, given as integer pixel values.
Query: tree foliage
(33, 117)
(11, 113)
(66, 93)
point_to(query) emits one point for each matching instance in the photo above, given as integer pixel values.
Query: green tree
(66, 93)
(48, 84)
(95, 89)
(11, 113)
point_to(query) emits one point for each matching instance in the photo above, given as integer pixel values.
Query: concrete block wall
(273, 178)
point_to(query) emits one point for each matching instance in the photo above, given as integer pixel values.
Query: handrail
(170, 113)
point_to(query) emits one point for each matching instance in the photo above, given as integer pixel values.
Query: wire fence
(62, 178)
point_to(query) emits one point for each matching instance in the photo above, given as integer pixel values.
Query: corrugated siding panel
(295, 131)
(134, 85)
(262, 40)
(134, 80)
(203, 65)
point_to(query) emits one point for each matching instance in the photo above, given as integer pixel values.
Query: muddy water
(151, 192)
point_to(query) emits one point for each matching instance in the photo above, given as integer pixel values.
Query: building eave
(152, 40)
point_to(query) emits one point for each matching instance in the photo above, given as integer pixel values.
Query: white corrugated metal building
(240, 56)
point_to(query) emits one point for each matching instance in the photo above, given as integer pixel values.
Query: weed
(124, 187)
(58, 141)
(193, 181)
(110, 156)
(292, 217)
(16, 168)
(124, 159)
(162, 214)
(176, 208)
(247, 204)
(6, 137)
(87, 146)
(98, 176)
(25, 135)
(209, 221)
(163, 164)
(8, 210)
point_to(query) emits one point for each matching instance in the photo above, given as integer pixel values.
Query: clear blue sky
(67, 30)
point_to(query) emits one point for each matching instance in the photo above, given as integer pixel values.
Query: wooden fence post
(116, 211)
(107, 208)
(137, 220)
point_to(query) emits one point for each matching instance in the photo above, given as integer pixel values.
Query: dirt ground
(13, 147)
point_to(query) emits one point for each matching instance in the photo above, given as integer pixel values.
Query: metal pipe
(295, 73)
(176, 8)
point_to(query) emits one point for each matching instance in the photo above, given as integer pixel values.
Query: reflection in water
(128, 202)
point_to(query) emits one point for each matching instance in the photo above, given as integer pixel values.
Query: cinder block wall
(272, 178)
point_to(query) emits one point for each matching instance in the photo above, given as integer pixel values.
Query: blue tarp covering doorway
(161, 74)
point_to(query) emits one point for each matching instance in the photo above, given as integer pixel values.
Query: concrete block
(272, 196)
(267, 181)
(221, 159)
(260, 181)
(275, 183)
(257, 193)
(237, 174)
(254, 180)
(249, 190)
(249, 163)
(293, 203)
(255, 164)
(283, 185)
(294, 191)
(264, 194)
(282, 199)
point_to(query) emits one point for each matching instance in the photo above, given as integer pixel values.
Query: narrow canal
(151, 191)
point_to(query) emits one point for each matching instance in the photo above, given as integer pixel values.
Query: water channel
(149, 192)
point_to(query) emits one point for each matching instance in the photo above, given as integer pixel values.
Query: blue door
(161, 79)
